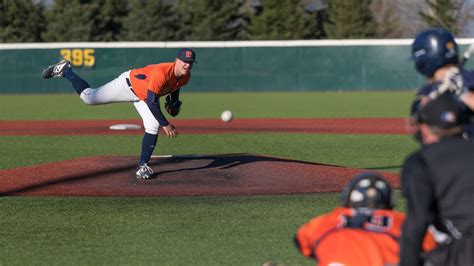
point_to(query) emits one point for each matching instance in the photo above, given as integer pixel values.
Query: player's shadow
(222, 161)
(68, 179)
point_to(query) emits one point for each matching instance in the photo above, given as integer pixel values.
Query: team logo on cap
(450, 45)
(189, 54)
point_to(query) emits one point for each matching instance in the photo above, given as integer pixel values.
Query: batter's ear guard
(368, 190)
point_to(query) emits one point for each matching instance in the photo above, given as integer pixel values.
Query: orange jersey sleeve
(377, 242)
(158, 78)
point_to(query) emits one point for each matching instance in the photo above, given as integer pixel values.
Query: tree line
(216, 20)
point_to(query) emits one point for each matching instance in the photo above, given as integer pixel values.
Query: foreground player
(438, 183)
(364, 231)
(144, 87)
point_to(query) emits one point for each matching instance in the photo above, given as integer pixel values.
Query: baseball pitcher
(143, 87)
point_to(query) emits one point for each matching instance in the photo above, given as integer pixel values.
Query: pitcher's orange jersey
(158, 78)
(328, 240)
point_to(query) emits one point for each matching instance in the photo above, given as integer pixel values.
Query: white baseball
(226, 116)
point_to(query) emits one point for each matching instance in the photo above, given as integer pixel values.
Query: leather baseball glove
(172, 107)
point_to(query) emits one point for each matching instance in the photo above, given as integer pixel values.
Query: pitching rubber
(125, 127)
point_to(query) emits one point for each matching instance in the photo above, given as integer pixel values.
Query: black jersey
(438, 182)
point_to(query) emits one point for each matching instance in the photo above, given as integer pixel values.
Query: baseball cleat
(144, 172)
(56, 70)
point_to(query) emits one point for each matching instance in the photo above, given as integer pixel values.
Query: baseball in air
(226, 116)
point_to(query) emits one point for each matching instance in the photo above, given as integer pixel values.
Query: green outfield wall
(223, 66)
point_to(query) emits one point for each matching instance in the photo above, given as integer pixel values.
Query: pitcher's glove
(172, 107)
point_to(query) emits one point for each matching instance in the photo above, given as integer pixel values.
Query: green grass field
(247, 230)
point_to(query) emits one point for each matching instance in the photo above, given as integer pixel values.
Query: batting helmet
(432, 49)
(367, 190)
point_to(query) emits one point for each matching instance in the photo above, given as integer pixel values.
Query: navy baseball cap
(443, 112)
(187, 55)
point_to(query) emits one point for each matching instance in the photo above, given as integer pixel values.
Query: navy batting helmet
(367, 190)
(432, 49)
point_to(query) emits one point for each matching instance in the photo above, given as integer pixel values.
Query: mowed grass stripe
(383, 152)
(210, 105)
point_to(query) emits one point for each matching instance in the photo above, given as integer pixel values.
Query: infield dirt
(186, 175)
(189, 175)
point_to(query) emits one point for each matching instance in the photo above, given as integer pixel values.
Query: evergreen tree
(20, 21)
(70, 20)
(85, 20)
(314, 25)
(149, 21)
(279, 20)
(108, 16)
(443, 13)
(349, 19)
(241, 22)
(206, 20)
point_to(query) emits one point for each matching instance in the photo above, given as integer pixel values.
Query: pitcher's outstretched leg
(63, 69)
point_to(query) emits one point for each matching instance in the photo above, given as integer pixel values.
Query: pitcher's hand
(170, 131)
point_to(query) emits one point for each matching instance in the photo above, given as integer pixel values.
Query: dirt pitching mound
(183, 175)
